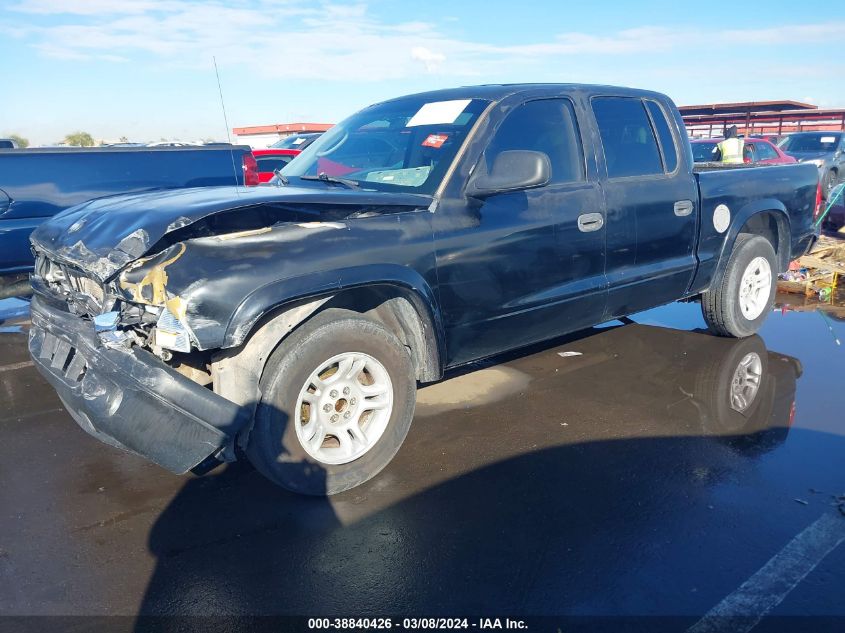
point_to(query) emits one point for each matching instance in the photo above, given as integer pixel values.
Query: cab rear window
(664, 133)
(630, 147)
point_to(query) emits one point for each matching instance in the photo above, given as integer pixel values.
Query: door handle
(590, 222)
(683, 207)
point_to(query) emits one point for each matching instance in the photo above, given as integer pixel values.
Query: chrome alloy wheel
(343, 408)
(746, 382)
(755, 288)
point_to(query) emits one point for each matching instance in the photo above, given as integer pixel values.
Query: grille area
(85, 293)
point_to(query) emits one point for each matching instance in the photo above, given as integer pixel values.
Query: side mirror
(513, 170)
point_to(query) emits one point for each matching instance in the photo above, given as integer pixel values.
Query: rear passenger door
(652, 204)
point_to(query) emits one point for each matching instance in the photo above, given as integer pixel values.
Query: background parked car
(757, 150)
(270, 159)
(822, 149)
(772, 138)
(169, 144)
(38, 183)
(7, 143)
(296, 141)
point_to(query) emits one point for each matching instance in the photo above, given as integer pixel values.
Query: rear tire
(738, 304)
(314, 377)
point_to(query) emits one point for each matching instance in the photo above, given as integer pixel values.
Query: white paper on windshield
(828, 139)
(438, 113)
(299, 141)
(409, 177)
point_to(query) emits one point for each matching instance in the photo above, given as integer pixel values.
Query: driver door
(514, 268)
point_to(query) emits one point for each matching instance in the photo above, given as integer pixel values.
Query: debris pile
(818, 273)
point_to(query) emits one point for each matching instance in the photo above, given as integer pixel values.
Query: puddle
(476, 388)
(833, 306)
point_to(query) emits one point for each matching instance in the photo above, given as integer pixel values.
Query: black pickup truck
(292, 322)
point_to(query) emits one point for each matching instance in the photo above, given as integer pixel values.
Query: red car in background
(757, 150)
(270, 159)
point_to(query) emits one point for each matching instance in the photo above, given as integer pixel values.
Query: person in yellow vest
(730, 150)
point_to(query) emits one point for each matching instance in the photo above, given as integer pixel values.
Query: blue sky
(143, 68)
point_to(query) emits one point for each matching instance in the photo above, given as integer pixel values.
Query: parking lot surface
(627, 470)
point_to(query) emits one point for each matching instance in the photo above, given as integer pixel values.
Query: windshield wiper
(282, 180)
(351, 184)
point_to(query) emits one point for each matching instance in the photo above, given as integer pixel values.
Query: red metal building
(760, 117)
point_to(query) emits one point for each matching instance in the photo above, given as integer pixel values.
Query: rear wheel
(738, 304)
(338, 399)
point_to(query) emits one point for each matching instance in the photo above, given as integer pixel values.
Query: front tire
(337, 401)
(738, 304)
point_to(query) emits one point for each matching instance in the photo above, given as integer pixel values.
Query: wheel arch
(404, 311)
(766, 217)
(398, 297)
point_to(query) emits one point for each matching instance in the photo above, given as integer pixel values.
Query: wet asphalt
(618, 481)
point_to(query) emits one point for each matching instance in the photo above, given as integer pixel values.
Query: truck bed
(747, 189)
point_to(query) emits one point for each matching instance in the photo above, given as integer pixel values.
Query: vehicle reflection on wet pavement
(653, 472)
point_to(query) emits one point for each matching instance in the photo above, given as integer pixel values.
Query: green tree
(79, 139)
(123, 139)
(19, 140)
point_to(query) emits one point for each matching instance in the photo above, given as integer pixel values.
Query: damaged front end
(133, 296)
(122, 363)
(133, 309)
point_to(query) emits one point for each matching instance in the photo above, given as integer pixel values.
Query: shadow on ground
(605, 484)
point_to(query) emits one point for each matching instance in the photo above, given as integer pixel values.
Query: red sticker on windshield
(435, 140)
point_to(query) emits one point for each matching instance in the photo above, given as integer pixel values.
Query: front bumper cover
(129, 398)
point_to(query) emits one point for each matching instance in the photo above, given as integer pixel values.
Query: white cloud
(788, 35)
(94, 7)
(429, 58)
(334, 41)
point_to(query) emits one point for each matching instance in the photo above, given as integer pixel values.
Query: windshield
(402, 145)
(822, 142)
(295, 141)
(703, 152)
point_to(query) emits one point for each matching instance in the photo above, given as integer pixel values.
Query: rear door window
(630, 147)
(548, 126)
(664, 133)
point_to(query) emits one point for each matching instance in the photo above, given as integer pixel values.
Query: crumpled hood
(104, 235)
